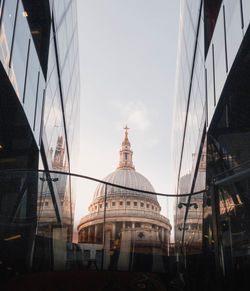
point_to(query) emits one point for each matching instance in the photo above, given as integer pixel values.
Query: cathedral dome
(120, 218)
(128, 178)
(125, 175)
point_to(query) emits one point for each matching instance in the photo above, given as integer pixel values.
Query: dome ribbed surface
(128, 178)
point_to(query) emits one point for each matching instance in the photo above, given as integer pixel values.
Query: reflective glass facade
(39, 98)
(211, 140)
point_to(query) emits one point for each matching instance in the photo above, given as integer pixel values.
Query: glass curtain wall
(228, 170)
(120, 230)
(210, 137)
(189, 122)
(61, 110)
(39, 121)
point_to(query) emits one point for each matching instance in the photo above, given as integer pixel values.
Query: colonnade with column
(94, 233)
(91, 234)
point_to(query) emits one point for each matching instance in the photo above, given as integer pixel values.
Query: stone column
(113, 230)
(123, 224)
(162, 235)
(168, 240)
(85, 235)
(125, 249)
(155, 235)
(95, 233)
(80, 236)
(59, 248)
(107, 250)
(89, 235)
(92, 233)
(133, 225)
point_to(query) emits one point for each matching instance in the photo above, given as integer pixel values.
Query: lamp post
(104, 225)
(187, 205)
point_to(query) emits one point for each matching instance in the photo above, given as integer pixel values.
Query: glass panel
(246, 13)
(233, 27)
(7, 31)
(20, 49)
(31, 84)
(59, 9)
(210, 84)
(194, 220)
(228, 179)
(89, 222)
(18, 196)
(219, 56)
(37, 211)
(39, 105)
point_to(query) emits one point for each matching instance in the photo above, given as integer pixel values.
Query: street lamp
(187, 205)
(183, 228)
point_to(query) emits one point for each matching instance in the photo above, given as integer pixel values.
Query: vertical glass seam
(42, 116)
(241, 14)
(193, 183)
(60, 89)
(37, 87)
(70, 81)
(13, 35)
(189, 91)
(225, 37)
(68, 50)
(1, 18)
(60, 21)
(213, 74)
(206, 103)
(26, 71)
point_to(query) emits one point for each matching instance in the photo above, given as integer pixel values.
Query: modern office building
(212, 126)
(39, 114)
(126, 224)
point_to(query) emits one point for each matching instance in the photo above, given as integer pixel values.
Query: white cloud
(135, 114)
(139, 119)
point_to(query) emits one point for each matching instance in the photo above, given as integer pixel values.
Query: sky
(127, 51)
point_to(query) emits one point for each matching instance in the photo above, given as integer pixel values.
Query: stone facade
(134, 227)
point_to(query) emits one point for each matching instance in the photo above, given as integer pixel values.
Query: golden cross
(126, 132)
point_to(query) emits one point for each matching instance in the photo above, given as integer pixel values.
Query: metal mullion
(1, 18)
(104, 224)
(26, 71)
(241, 14)
(213, 75)
(206, 101)
(42, 118)
(13, 35)
(37, 87)
(225, 38)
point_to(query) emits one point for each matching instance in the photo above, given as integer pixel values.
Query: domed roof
(125, 175)
(128, 178)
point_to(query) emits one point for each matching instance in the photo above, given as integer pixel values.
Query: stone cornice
(127, 195)
(122, 215)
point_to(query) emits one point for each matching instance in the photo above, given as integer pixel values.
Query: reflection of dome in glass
(128, 178)
(125, 175)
